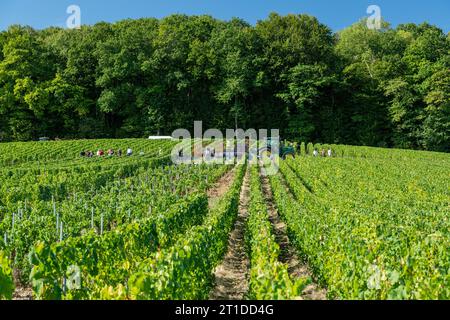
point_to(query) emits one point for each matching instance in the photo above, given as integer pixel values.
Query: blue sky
(335, 14)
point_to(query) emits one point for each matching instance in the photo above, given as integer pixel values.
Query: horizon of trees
(132, 78)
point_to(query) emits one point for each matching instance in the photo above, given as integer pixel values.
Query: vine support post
(101, 223)
(60, 232)
(92, 218)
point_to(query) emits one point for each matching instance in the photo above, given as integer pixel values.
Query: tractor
(285, 151)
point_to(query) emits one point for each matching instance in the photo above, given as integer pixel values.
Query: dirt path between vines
(288, 255)
(220, 187)
(231, 276)
(23, 293)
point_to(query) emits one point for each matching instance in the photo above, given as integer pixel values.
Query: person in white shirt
(207, 154)
(129, 152)
(330, 153)
(315, 153)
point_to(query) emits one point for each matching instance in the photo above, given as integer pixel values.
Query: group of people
(209, 153)
(101, 153)
(328, 153)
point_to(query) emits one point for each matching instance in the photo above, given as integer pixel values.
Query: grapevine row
(269, 278)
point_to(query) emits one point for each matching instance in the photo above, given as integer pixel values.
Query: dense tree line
(388, 87)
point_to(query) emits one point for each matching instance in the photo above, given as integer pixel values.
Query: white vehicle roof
(160, 138)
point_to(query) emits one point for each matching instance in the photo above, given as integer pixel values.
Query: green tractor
(285, 151)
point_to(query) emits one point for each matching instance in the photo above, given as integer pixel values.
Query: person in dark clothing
(322, 153)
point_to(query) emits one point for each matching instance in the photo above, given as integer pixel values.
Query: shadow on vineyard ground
(288, 255)
(231, 276)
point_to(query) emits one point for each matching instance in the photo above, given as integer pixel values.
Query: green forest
(132, 78)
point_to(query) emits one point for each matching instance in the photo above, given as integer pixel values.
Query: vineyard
(363, 223)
